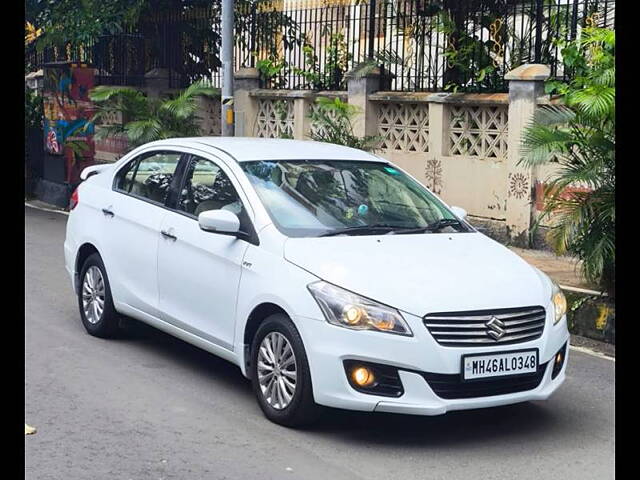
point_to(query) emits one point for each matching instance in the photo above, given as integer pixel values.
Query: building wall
(463, 147)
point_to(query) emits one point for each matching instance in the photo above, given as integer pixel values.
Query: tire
(300, 409)
(95, 283)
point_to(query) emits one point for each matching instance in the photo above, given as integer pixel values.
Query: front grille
(470, 329)
(452, 386)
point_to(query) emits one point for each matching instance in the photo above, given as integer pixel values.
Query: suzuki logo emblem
(495, 328)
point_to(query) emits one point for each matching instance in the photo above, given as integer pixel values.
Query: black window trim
(185, 156)
(138, 159)
(251, 235)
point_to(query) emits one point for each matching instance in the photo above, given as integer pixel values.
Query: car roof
(249, 148)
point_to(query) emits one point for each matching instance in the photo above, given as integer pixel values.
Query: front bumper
(327, 346)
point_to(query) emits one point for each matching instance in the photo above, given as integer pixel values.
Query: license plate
(502, 364)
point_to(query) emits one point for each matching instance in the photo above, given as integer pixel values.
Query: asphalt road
(149, 406)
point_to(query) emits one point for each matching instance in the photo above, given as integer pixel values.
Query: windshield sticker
(362, 210)
(392, 170)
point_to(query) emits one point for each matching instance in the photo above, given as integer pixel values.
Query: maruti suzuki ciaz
(329, 275)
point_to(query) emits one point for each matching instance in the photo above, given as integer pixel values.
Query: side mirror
(459, 212)
(219, 221)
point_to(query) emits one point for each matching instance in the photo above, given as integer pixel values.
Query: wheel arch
(84, 251)
(258, 315)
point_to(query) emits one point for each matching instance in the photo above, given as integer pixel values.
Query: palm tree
(579, 135)
(146, 119)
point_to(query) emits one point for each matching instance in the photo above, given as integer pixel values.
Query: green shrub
(332, 122)
(579, 135)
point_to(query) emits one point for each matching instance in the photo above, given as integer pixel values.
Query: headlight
(559, 302)
(346, 309)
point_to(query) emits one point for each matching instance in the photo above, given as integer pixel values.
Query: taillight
(74, 200)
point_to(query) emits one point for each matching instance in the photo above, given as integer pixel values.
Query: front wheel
(280, 373)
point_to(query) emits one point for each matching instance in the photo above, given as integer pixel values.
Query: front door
(199, 272)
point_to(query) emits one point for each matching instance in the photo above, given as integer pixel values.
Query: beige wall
(476, 182)
(477, 185)
(457, 149)
(463, 147)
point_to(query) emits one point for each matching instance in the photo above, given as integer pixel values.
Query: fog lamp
(373, 378)
(559, 358)
(362, 376)
(558, 361)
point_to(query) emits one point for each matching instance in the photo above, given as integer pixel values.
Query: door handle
(168, 235)
(107, 212)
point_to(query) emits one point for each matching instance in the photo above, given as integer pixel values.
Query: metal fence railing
(421, 45)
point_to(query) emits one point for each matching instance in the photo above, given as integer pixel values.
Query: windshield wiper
(364, 229)
(395, 229)
(434, 227)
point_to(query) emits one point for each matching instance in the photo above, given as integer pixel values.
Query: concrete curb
(593, 353)
(45, 209)
(582, 290)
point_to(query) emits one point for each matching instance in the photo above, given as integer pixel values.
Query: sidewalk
(566, 272)
(563, 270)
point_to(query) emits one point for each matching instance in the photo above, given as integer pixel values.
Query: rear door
(141, 190)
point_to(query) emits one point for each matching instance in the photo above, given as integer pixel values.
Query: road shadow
(512, 423)
(180, 353)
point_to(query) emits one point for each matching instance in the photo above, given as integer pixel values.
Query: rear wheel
(97, 312)
(280, 373)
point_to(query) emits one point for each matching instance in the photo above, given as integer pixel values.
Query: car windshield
(331, 197)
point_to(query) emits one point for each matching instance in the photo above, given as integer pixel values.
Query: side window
(149, 176)
(206, 187)
(124, 180)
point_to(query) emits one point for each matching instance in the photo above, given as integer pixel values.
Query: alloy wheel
(277, 370)
(93, 294)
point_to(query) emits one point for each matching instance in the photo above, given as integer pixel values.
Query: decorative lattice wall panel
(314, 128)
(404, 126)
(274, 118)
(111, 118)
(478, 131)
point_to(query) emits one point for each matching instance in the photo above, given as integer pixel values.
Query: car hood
(423, 273)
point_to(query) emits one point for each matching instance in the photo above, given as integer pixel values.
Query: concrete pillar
(438, 125)
(156, 82)
(209, 116)
(526, 84)
(245, 80)
(301, 121)
(359, 89)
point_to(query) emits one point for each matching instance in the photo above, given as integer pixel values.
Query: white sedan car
(327, 274)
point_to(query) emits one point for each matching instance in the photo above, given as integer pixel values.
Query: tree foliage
(180, 34)
(80, 21)
(579, 135)
(33, 109)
